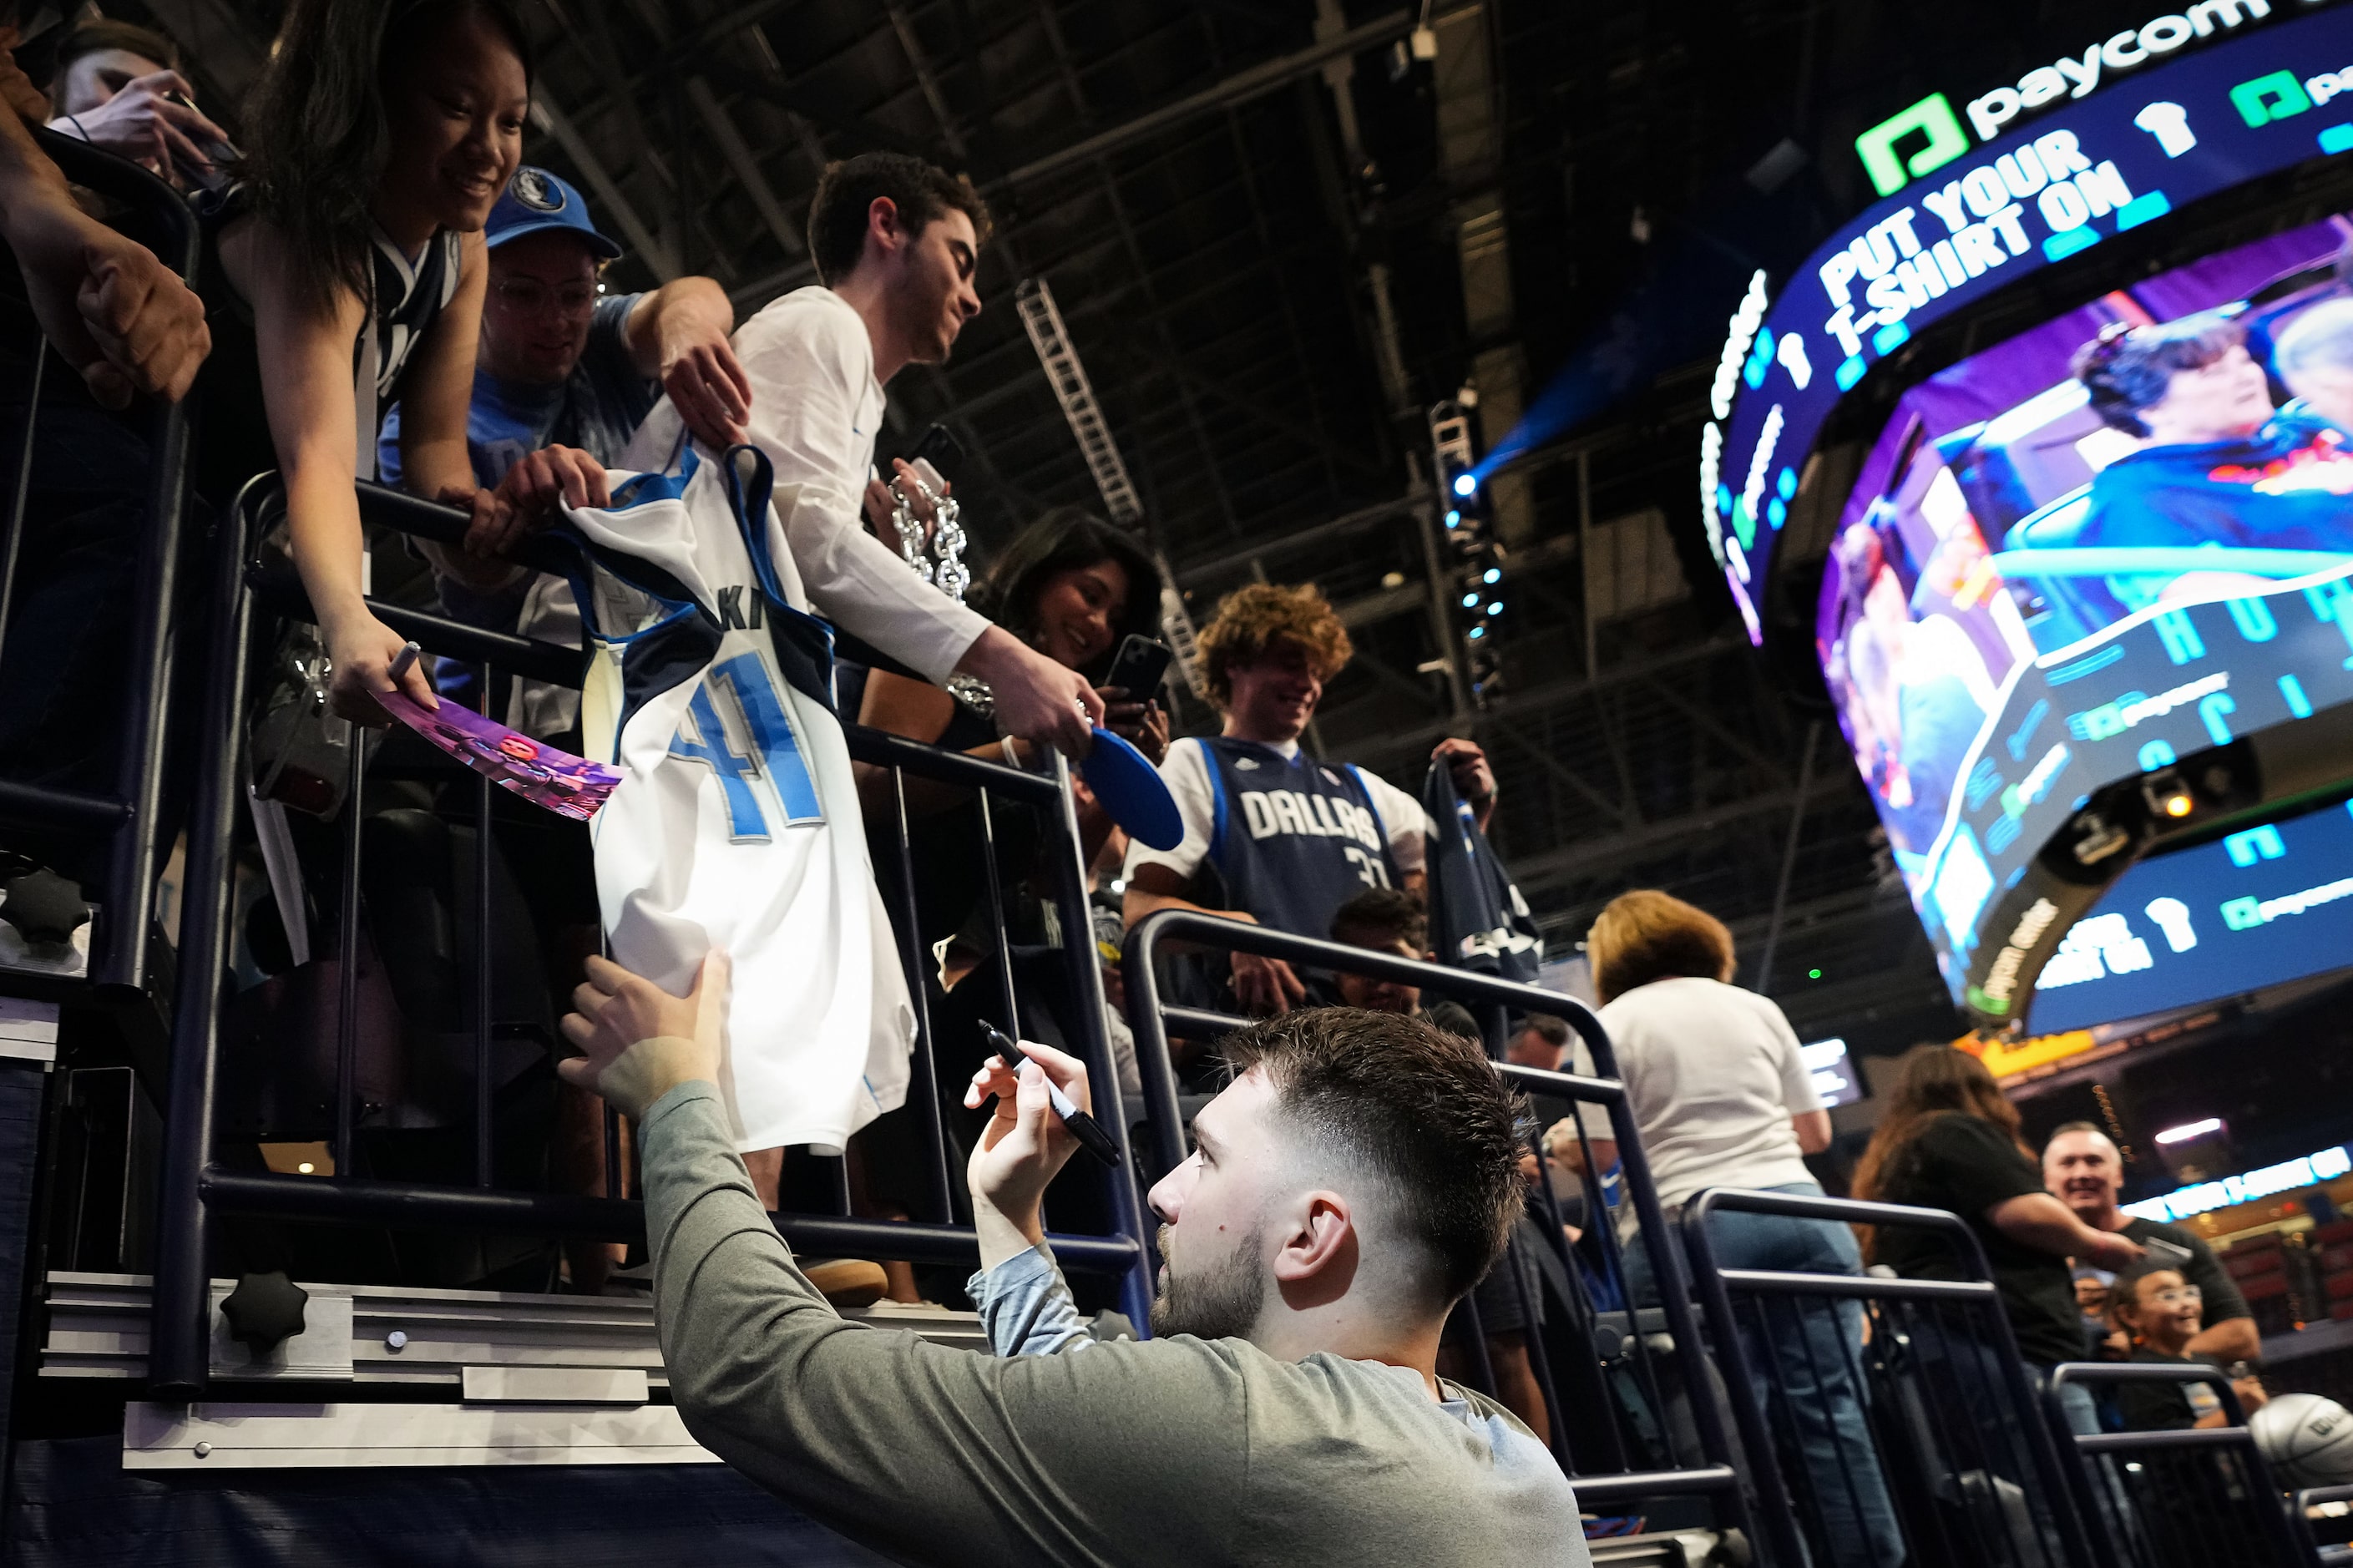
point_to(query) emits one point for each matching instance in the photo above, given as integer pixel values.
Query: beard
(1219, 1300)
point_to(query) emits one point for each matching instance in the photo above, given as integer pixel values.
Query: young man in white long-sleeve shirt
(897, 242)
(1357, 1175)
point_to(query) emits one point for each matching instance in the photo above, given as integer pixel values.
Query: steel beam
(747, 168)
(657, 256)
(1256, 83)
(1214, 567)
(1592, 857)
(1536, 700)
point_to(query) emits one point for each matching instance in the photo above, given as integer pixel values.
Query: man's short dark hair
(1381, 917)
(2075, 1126)
(847, 192)
(1554, 1029)
(1421, 1110)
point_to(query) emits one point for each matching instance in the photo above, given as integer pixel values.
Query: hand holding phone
(1139, 666)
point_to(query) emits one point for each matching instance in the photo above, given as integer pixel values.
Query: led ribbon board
(1972, 222)
(2271, 904)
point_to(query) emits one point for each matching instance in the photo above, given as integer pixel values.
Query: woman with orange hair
(1721, 1099)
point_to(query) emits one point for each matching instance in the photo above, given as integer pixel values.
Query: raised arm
(111, 311)
(931, 1454)
(678, 334)
(306, 376)
(808, 381)
(2041, 1222)
(435, 391)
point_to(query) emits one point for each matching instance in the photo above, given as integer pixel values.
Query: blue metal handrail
(1149, 1017)
(129, 816)
(192, 1187)
(1713, 1284)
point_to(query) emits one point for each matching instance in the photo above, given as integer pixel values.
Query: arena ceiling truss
(1276, 231)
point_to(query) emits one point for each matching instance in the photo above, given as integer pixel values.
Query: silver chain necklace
(942, 566)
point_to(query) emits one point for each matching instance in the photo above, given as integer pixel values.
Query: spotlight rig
(1473, 557)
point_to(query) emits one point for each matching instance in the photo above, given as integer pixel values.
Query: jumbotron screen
(2120, 538)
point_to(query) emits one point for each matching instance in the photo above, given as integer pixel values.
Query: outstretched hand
(636, 1041)
(1025, 1144)
(1037, 699)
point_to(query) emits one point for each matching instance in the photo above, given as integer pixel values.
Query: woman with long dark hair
(346, 269)
(1949, 1140)
(1069, 586)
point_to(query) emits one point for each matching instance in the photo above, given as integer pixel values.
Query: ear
(1316, 1262)
(883, 224)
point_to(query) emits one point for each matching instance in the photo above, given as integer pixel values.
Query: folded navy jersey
(1477, 919)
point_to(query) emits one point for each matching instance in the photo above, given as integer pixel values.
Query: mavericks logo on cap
(536, 191)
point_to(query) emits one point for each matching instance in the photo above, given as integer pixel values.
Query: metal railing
(126, 818)
(1650, 1388)
(195, 1188)
(2329, 1553)
(2178, 1498)
(1918, 1379)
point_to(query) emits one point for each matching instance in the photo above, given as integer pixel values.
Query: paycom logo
(1932, 124)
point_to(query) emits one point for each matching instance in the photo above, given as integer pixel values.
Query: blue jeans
(1814, 1359)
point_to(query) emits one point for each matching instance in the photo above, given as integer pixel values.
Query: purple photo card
(565, 784)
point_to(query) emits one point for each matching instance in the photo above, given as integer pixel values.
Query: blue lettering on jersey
(765, 725)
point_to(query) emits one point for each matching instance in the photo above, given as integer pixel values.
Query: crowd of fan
(381, 219)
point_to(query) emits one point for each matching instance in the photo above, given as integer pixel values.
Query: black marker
(1084, 1128)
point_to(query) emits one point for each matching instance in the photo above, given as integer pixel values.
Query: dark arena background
(1879, 474)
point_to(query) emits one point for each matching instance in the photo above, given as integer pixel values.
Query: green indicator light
(1813, 974)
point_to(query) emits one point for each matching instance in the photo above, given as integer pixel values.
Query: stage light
(2189, 1129)
(1465, 485)
(1495, 607)
(1478, 632)
(1470, 601)
(1494, 574)
(1453, 519)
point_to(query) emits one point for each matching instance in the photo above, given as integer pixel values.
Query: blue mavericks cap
(536, 200)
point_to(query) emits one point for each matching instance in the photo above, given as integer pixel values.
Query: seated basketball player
(1349, 1186)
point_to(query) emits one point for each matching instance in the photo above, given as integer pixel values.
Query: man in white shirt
(1273, 837)
(897, 242)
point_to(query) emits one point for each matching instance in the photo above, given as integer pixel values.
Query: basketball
(2307, 1440)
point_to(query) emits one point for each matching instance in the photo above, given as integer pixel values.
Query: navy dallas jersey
(1291, 838)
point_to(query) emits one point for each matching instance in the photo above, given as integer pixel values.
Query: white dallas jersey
(735, 825)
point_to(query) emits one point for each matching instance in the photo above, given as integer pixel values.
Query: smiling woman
(1070, 586)
(346, 269)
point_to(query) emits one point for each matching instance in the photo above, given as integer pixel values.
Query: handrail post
(179, 1328)
(1095, 1042)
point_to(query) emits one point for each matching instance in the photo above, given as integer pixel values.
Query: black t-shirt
(2163, 1406)
(1969, 1165)
(2216, 1290)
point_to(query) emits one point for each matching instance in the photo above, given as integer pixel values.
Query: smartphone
(1139, 666)
(222, 154)
(942, 451)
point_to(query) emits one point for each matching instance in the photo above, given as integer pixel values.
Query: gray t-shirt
(1061, 1449)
